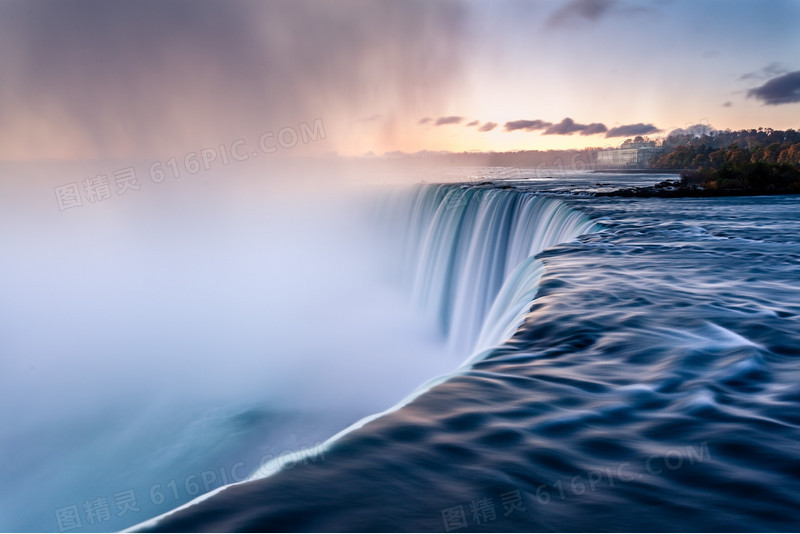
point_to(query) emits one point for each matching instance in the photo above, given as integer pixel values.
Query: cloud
(765, 73)
(527, 125)
(592, 11)
(91, 78)
(474, 123)
(453, 119)
(594, 128)
(727, 104)
(565, 127)
(569, 127)
(784, 89)
(582, 9)
(628, 130)
(488, 127)
(425, 120)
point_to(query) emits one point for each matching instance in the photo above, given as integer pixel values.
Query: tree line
(760, 160)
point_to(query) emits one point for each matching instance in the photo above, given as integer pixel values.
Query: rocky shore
(678, 189)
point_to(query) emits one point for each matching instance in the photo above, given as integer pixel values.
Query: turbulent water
(634, 366)
(532, 357)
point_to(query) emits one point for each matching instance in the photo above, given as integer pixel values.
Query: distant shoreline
(637, 171)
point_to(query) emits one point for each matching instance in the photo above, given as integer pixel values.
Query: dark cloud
(632, 129)
(453, 119)
(582, 9)
(488, 127)
(527, 125)
(569, 127)
(594, 128)
(425, 120)
(765, 73)
(474, 123)
(592, 11)
(150, 76)
(727, 104)
(784, 89)
(565, 127)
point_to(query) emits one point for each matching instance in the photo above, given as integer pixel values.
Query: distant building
(632, 154)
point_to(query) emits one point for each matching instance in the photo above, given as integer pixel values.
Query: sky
(90, 79)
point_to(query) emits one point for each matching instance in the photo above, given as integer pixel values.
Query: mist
(188, 326)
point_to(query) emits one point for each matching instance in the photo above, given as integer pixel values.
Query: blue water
(652, 383)
(572, 364)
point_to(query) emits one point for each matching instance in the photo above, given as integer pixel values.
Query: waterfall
(468, 255)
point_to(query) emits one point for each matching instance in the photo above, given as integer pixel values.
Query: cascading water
(655, 372)
(468, 254)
